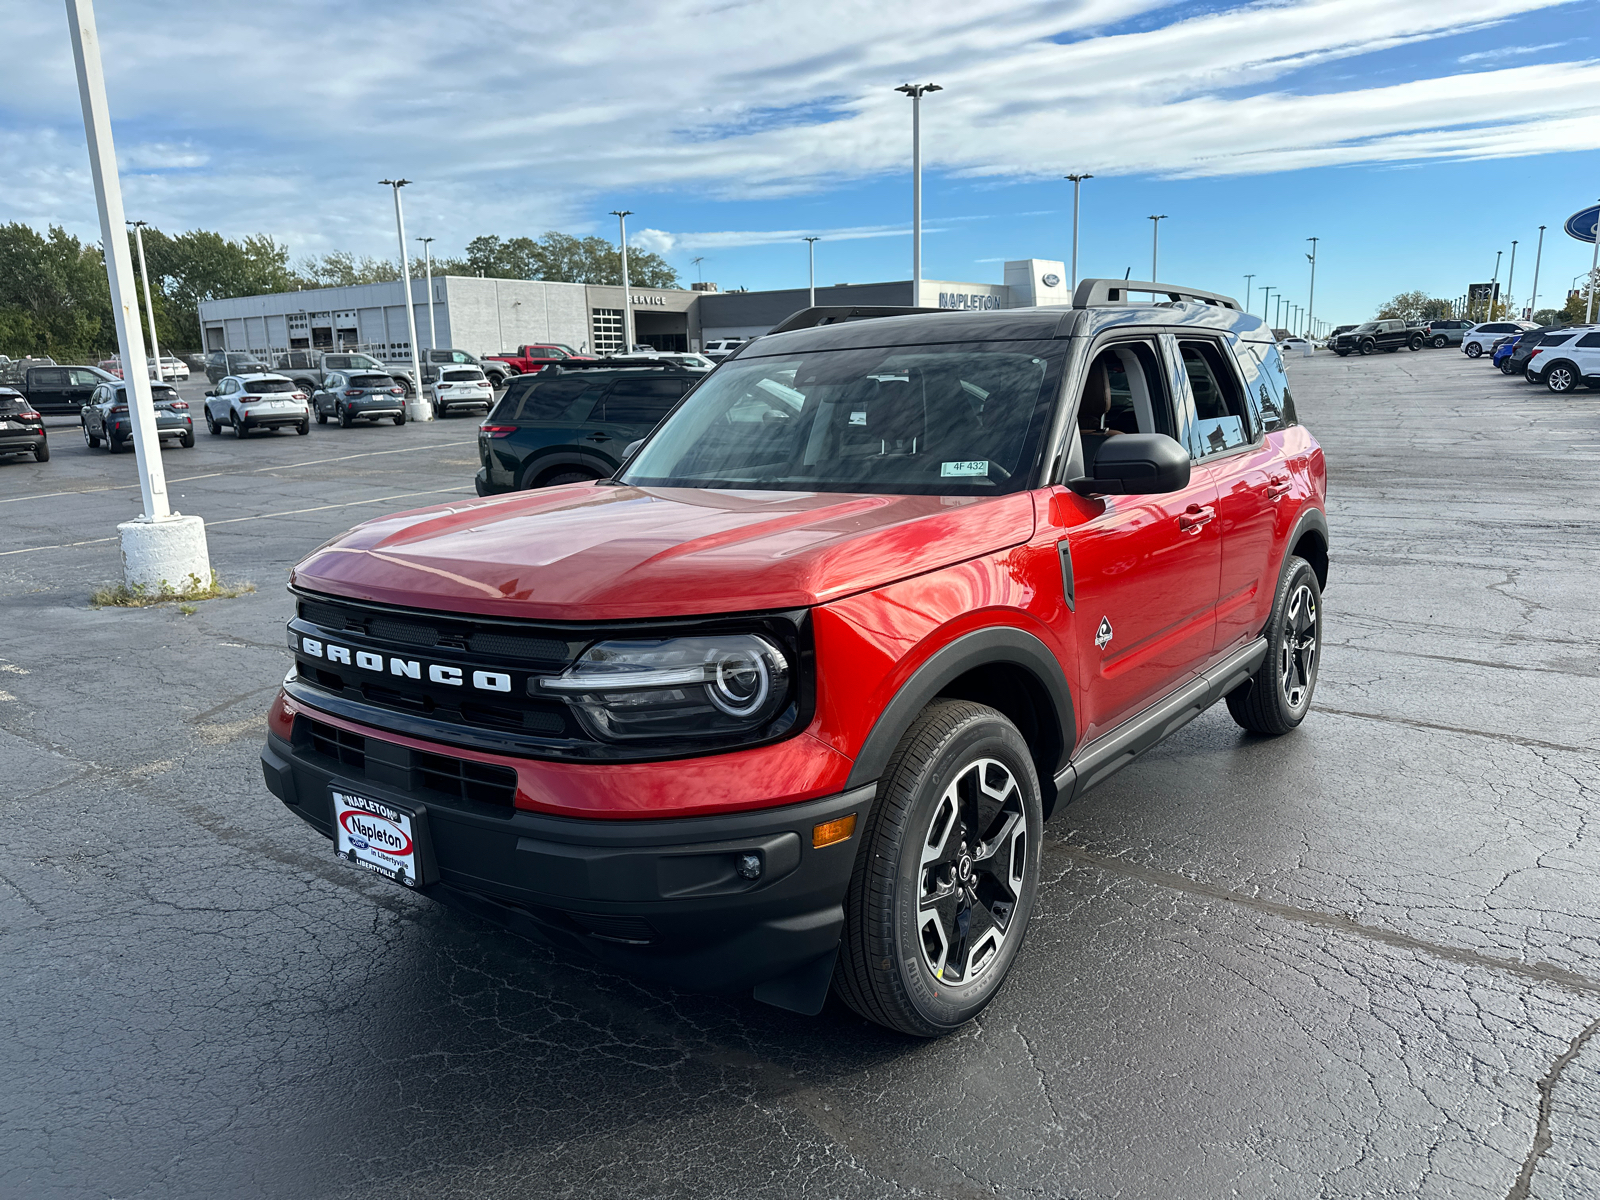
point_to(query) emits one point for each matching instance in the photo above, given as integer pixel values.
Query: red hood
(617, 553)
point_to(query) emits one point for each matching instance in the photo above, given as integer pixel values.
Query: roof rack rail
(807, 318)
(1091, 293)
(611, 364)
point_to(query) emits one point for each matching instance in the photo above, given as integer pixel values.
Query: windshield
(260, 387)
(1369, 327)
(930, 420)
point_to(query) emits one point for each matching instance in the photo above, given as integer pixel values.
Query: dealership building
(486, 316)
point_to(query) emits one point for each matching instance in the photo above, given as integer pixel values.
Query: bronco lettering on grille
(408, 668)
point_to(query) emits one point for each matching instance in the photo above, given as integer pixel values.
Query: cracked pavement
(1360, 960)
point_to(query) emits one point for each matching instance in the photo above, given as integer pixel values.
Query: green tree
(562, 258)
(54, 298)
(1414, 306)
(202, 265)
(1547, 316)
(344, 269)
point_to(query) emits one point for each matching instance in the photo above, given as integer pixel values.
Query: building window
(608, 331)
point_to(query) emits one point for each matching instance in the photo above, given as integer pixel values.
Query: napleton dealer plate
(376, 835)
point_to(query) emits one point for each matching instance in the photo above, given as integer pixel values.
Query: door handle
(1278, 487)
(598, 437)
(1195, 516)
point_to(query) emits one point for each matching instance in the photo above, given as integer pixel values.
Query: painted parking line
(257, 517)
(314, 462)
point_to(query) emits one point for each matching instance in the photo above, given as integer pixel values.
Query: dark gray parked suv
(1445, 333)
(359, 394)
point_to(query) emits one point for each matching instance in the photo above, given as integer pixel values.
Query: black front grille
(464, 779)
(407, 633)
(346, 749)
(443, 775)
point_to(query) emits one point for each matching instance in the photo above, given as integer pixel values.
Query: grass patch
(194, 588)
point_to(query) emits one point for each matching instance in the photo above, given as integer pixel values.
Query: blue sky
(1414, 138)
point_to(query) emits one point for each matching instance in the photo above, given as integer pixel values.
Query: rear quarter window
(552, 400)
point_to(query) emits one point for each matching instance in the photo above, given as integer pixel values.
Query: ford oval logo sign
(1584, 223)
(1051, 281)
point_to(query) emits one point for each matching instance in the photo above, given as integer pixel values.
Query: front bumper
(661, 899)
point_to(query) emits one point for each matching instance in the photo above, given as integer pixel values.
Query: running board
(1115, 749)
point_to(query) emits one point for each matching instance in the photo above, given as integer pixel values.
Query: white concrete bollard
(166, 552)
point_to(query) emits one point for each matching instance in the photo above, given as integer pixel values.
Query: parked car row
(1559, 356)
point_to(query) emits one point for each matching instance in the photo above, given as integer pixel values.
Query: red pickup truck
(527, 359)
(783, 705)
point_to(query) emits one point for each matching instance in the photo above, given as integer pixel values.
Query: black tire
(211, 424)
(1474, 350)
(1505, 366)
(304, 427)
(187, 440)
(239, 427)
(563, 475)
(399, 418)
(114, 443)
(41, 452)
(1367, 347)
(405, 385)
(1390, 349)
(1440, 342)
(1342, 353)
(306, 386)
(343, 414)
(1415, 343)
(964, 769)
(322, 417)
(1277, 698)
(92, 440)
(1561, 377)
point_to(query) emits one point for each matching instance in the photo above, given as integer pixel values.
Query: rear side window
(555, 400)
(49, 378)
(1221, 420)
(1259, 394)
(1278, 379)
(1589, 341)
(1555, 339)
(641, 401)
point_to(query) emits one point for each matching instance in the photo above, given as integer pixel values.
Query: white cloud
(720, 99)
(1508, 52)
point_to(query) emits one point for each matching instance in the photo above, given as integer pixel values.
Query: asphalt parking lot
(1361, 960)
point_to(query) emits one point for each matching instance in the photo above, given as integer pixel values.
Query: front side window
(946, 420)
(1221, 419)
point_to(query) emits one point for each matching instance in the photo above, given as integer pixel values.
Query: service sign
(375, 835)
(1582, 224)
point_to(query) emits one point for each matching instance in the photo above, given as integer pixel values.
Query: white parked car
(247, 402)
(458, 388)
(1480, 339)
(1293, 345)
(718, 349)
(173, 368)
(1564, 358)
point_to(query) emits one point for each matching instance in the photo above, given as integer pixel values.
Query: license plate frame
(381, 836)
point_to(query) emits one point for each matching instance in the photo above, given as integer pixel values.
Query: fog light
(830, 832)
(749, 866)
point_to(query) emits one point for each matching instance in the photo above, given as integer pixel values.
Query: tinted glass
(556, 400)
(48, 377)
(1261, 396)
(13, 404)
(1221, 419)
(1589, 341)
(371, 381)
(641, 401)
(473, 376)
(83, 378)
(929, 420)
(1554, 339)
(261, 387)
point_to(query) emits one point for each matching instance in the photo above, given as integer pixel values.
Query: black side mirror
(1136, 464)
(211, 393)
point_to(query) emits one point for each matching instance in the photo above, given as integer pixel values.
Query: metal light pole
(1538, 255)
(161, 546)
(916, 91)
(1494, 285)
(622, 216)
(416, 410)
(1594, 262)
(811, 252)
(1247, 291)
(1155, 242)
(427, 251)
(1077, 186)
(1266, 299)
(1511, 272)
(1311, 300)
(149, 308)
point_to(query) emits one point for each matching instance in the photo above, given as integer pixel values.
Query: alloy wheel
(971, 873)
(1559, 378)
(1297, 663)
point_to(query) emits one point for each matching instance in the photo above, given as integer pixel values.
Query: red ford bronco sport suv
(784, 705)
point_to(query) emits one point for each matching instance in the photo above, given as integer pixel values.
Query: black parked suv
(1387, 335)
(569, 424)
(21, 427)
(222, 363)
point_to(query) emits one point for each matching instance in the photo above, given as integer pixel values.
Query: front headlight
(676, 687)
